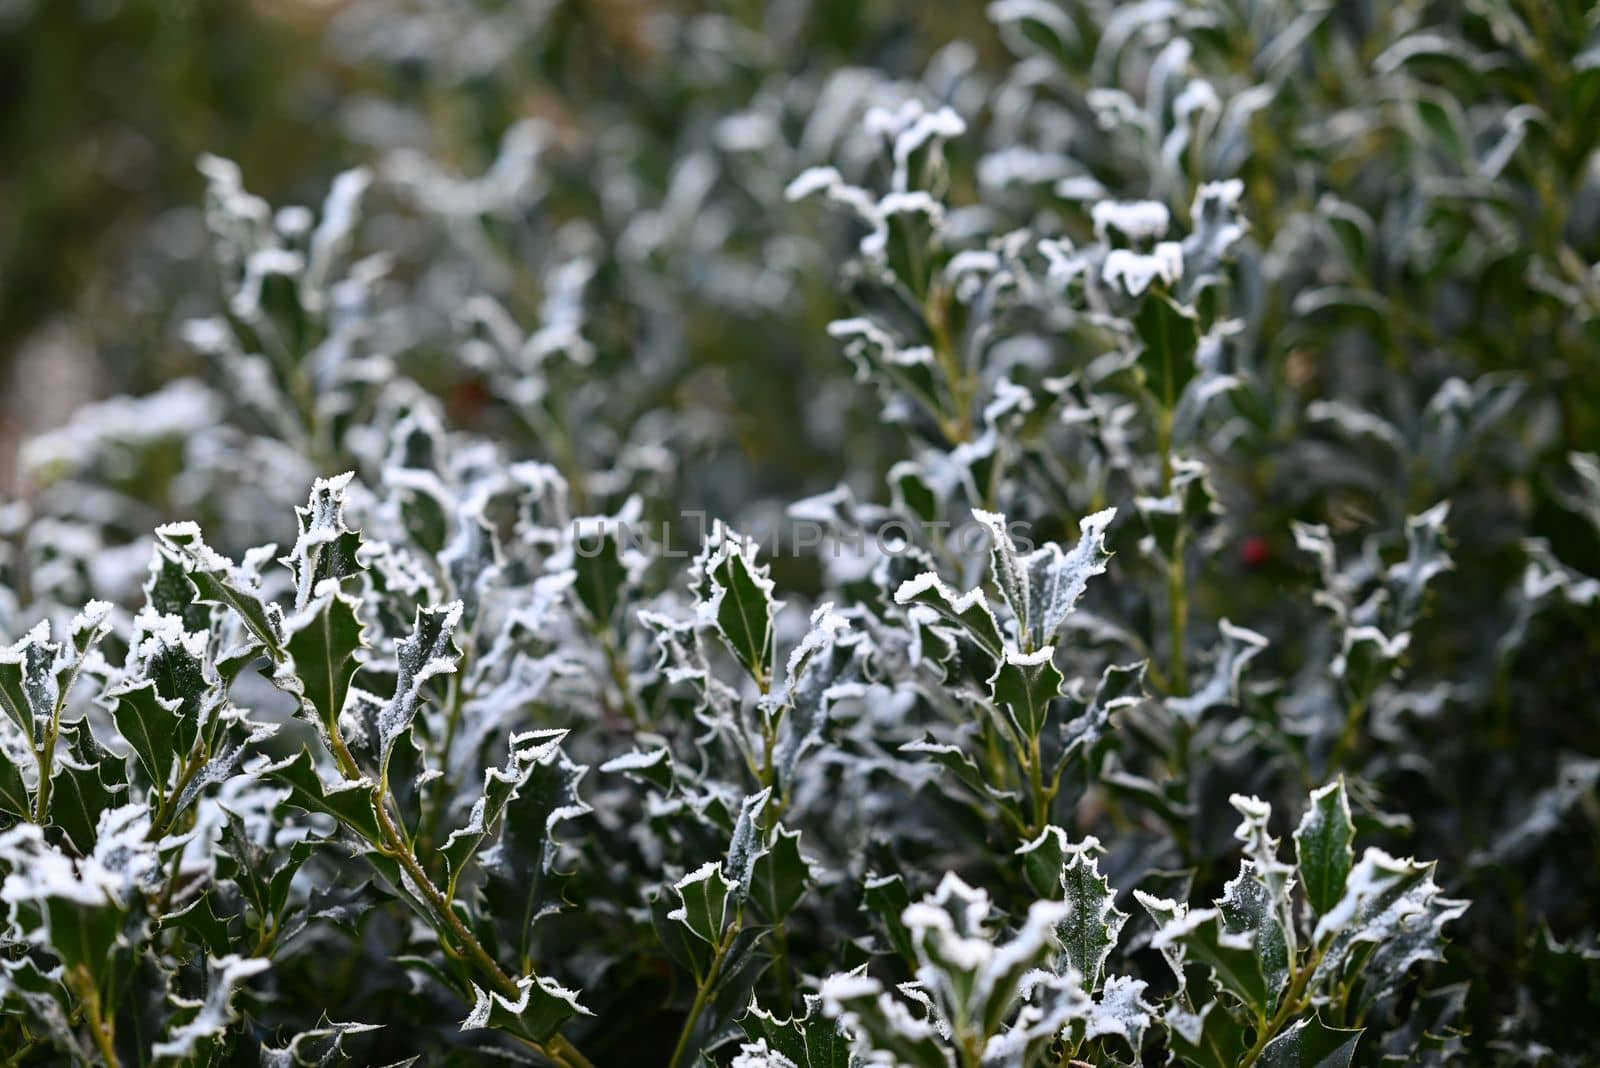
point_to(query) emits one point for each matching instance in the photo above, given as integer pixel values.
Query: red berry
(1254, 551)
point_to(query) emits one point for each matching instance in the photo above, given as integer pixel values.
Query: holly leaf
(703, 902)
(150, 723)
(810, 1040)
(1309, 1043)
(1092, 922)
(738, 601)
(1025, 684)
(1169, 334)
(1323, 846)
(428, 652)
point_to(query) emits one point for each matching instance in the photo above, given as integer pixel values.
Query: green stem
(1041, 799)
(99, 1027)
(1293, 1003)
(1178, 621)
(457, 938)
(32, 1046)
(702, 994)
(1349, 735)
(169, 805)
(46, 758)
(780, 952)
(619, 679)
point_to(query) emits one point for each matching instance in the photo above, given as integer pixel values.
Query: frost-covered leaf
(202, 1023)
(218, 581)
(1121, 686)
(1386, 900)
(1322, 845)
(323, 640)
(523, 882)
(1237, 648)
(150, 724)
(1092, 922)
(703, 899)
(316, 1047)
(499, 787)
(878, 1022)
(1310, 1043)
(1168, 335)
(808, 1041)
(538, 1011)
(1007, 567)
(428, 652)
(326, 547)
(738, 600)
(780, 877)
(969, 611)
(1249, 908)
(1121, 1010)
(1057, 578)
(1025, 684)
(1231, 956)
(349, 802)
(1045, 858)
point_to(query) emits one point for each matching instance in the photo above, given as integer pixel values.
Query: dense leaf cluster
(1208, 396)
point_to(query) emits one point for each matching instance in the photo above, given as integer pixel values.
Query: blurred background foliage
(110, 102)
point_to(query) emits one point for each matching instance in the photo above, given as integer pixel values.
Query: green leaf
(1248, 908)
(1322, 845)
(521, 882)
(200, 922)
(1045, 858)
(1093, 921)
(740, 602)
(1121, 686)
(959, 763)
(1170, 334)
(218, 582)
(689, 950)
(537, 1014)
(1311, 1044)
(323, 640)
(780, 877)
(499, 788)
(430, 651)
(1231, 956)
(703, 901)
(349, 802)
(1026, 683)
(169, 592)
(886, 897)
(14, 797)
(80, 792)
(601, 576)
(1210, 1038)
(969, 611)
(150, 723)
(810, 1041)
(654, 767)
